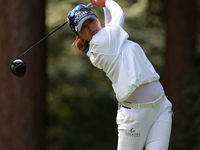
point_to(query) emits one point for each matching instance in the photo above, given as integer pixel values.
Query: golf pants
(144, 125)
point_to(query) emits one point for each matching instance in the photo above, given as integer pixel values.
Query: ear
(99, 21)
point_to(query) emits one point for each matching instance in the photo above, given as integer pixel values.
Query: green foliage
(187, 123)
(81, 112)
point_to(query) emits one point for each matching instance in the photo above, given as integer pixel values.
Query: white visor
(78, 29)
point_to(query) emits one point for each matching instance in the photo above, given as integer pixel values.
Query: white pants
(147, 126)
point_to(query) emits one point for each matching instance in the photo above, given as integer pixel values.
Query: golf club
(18, 66)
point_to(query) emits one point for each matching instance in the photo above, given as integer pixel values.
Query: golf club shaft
(88, 6)
(42, 39)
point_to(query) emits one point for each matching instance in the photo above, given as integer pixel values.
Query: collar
(86, 49)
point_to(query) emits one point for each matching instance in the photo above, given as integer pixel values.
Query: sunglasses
(79, 8)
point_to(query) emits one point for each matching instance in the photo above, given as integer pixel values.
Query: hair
(80, 43)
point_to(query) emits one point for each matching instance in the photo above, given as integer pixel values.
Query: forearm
(113, 13)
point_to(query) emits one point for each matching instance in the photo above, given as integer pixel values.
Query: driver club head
(18, 67)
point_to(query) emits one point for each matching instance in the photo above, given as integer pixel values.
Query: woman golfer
(144, 114)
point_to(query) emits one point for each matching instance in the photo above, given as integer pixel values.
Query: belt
(130, 105)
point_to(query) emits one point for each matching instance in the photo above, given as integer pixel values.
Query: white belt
(130, 105)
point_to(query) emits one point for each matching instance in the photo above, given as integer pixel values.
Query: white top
(113, 13)
(123, 61)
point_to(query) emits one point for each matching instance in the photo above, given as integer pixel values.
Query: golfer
(144, 114)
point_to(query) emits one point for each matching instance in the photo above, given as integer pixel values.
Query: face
(89, 28)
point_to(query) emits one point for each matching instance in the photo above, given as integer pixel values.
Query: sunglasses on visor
(79, 8)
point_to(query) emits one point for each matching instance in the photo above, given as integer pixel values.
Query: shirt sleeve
(113, 13)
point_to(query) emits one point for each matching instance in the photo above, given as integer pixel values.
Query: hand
(98, 3)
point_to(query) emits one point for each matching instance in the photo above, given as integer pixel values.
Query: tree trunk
(180, 43)
(179, 60)
(22, 100)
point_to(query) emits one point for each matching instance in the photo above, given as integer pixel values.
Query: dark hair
(80, 43)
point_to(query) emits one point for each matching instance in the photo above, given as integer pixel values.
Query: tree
(180, 18)
(180, 52)
(22, 100)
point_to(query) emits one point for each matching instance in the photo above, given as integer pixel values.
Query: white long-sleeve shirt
(123, 61)
(114, 13)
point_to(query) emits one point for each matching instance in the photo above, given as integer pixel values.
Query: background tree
(181, 71)
(180, 43)
(22, 100)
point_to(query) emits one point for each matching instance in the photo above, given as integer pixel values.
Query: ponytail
(80, 43)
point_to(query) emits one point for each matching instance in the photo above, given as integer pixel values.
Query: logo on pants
(132, 133)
